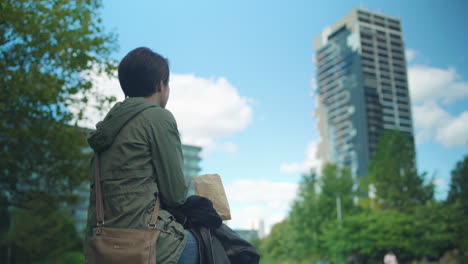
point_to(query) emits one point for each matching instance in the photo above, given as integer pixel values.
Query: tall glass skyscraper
(362, 87)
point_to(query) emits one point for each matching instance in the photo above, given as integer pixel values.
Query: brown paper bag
(211, 187)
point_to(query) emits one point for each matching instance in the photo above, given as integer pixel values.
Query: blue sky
(255, 57)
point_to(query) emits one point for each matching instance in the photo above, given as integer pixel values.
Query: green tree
(276, 247)
(305, 219)
(336, 185)
(428, 231)
(394, 175)
(316, 205)
(458, 195)
(459, 184)
(48, 49)
(42, 232)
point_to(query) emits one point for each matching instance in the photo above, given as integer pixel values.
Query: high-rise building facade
(191, 164)
(362, 87)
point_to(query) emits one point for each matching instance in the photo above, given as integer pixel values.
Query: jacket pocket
(168, 224)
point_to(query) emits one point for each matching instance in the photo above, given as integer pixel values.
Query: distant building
(362, 87)
(80, 208)
(261, 229)
(191, 164)
(248, 235)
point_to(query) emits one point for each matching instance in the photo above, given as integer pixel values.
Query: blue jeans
(190, 253)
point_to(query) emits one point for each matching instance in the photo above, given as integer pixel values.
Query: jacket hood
(122, 112)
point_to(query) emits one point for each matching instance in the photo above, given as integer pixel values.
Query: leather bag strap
(154, 217)
(97, 190)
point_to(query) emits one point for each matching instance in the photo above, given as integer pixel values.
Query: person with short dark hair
(142, 72)
(141, 158)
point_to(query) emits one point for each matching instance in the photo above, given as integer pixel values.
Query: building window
(399, 72)
(393, 21)
(382, 48)
(366, 36)
(382, 40)
(402, 110)
(385, 85)
(383, 55)
(396, 28)
(397, 57)
(370, 52)
(395, 36)
(385, 77)
(365, 44)
(368, 59)
(379, 24)
(396, 44)
(398, 52)
(369, 75)
(404, 116)
(365, 20)
(385, 91)
(383, 61)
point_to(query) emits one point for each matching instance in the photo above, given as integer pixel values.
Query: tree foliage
(458, 195)
(394, 175)
(336, 183)
(278, 243)
(459, 184)
(300, 236)
(48, 51)
(42, 232)
(367, 236)
(304, 220)
(412, 227)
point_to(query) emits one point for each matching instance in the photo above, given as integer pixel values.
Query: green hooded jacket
(141, 160)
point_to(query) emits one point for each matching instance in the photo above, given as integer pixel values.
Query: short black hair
(140, 72)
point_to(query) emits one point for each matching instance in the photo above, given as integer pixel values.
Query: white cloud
(432, 91)
(456, 131)
(262, 191)
(431, 121)
(410, 54)
(436, 84)
(311, 161)
(255, 200)
(438, 181)
(206, 110)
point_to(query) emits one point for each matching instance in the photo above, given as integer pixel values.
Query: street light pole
(338, 209)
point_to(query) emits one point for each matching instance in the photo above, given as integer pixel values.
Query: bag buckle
(161, 230)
